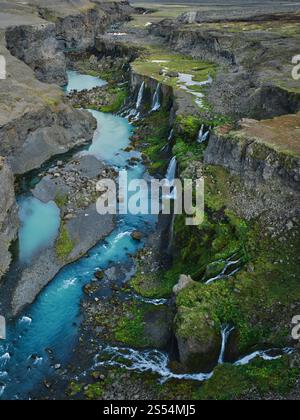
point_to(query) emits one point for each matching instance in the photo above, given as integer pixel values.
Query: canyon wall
(252, 64)
(36, 122)
(8, 215)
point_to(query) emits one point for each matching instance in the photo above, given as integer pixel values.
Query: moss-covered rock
(256, 380)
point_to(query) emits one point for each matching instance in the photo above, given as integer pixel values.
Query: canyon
(209, 94)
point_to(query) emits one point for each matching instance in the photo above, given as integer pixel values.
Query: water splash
(2, 389)
(4, 359)
(25, 320)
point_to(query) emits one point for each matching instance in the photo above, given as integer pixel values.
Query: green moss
(154, 59)
(130, 327)
(119, 97)
(154, 285)
(150, 138)
(64, 244)
(258, 379)
(61, 200)
(74, 389)
(188, 126)
(94, 391)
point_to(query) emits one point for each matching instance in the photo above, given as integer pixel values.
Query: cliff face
(41, 44)
(79, 31)
(8, 215)
(269, 173)
(256, 78)
(36, 122)
(38, 47)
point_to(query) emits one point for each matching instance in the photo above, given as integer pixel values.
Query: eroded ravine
(42, 339)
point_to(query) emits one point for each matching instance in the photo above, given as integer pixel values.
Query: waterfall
(140, 96)
(168, 146)
(170, 178)
(156, 99)
(171, 234)
(203, 135)
(225, 332)
(223, 275)
(272, 354)
(134, 113)
(171, 135)
(171, 172)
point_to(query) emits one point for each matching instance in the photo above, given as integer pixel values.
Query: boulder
(199, 342)
(99, 274)
(184, 281)
(136, 235)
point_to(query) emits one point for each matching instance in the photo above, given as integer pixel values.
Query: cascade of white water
(203, 135)
(171, 135)
(225, 332)
(229, 264)
(140, 97)
(170, 178)
(156, 99)
(168, 145)
(171, 172)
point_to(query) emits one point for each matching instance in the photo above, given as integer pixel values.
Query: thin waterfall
(156, 99)
(223, 275)
(134, 112)
(203, 135)
(170, 178)
(140, 96)
(171, 172)
(171, 135)
(225, 332)
(171, 234)
(168, 145)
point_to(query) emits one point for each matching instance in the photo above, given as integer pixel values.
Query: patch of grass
(119, 96)
(155, 60)
(74, 389)
(94, 391)
(61, 200)
(130, 327)
(154, 285)
(64, 244)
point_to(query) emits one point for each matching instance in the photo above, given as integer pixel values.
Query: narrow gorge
(144, 306)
